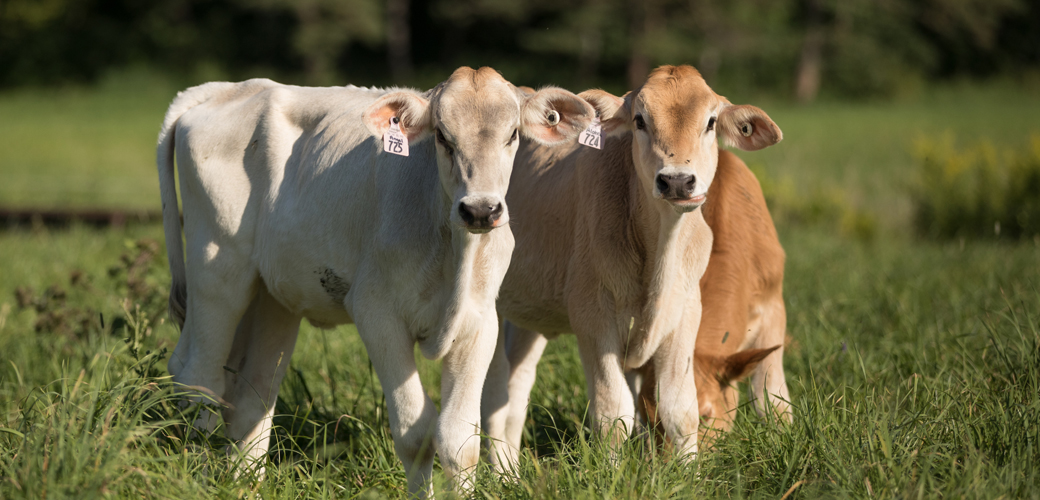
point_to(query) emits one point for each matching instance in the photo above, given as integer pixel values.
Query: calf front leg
(413, 416)
(462, 380)
(677, 408)
(495, 406)
(612, 405)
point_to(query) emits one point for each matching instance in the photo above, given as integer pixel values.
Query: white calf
(293, 210)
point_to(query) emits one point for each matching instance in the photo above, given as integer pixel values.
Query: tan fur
(601, 252)
(743, 320)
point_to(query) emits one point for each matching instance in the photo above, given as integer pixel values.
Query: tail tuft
(178, 304)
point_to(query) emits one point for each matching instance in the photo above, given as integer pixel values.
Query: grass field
(914, 369)
(83, 147)
(95, 147)
(915, 372)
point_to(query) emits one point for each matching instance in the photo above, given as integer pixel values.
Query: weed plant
(977, 191)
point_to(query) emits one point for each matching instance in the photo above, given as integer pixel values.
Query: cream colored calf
(292, 209)
(744, 323)
(610, 245)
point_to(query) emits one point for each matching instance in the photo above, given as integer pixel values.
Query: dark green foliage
(65, 41)
(865, 48)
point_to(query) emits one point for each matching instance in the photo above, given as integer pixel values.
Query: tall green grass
(914, 372)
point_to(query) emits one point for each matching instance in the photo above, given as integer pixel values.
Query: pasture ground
(914, 371)
(914, 368)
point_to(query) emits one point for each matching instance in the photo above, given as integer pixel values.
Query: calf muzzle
(481, 216)
(676, 186)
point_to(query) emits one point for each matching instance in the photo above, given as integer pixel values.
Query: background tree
(399, 39)
(796, 48)
(325, 28)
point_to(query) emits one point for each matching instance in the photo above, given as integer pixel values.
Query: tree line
(798, 48)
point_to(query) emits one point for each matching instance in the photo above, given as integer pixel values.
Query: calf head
(675, 119)
(476, 117)
(717, 397)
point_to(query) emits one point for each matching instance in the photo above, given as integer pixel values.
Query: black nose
(679, 186)
(480, 215)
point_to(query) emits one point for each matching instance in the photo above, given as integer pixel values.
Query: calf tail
(168, 188)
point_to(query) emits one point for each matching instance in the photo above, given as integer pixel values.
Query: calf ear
(411, 109)
(553, 115)
(613, 111)
(748, 128)
(739, 365)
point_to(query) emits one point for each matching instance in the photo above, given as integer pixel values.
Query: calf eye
(513, 137)
(640, 123)
(444, 142)
(711, 124)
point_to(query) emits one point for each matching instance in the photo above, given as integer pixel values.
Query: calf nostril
(465, 213)
(662, 184)
(481, 214)
(691, 182)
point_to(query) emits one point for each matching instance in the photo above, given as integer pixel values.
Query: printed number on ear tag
(394, 141)
(592, 136)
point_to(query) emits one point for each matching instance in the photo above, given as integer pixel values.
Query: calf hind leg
(524, 348)
(219, 292)
(259, 358)
(768, 383)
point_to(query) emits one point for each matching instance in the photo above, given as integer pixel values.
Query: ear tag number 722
(394, 141)
(592, 136)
